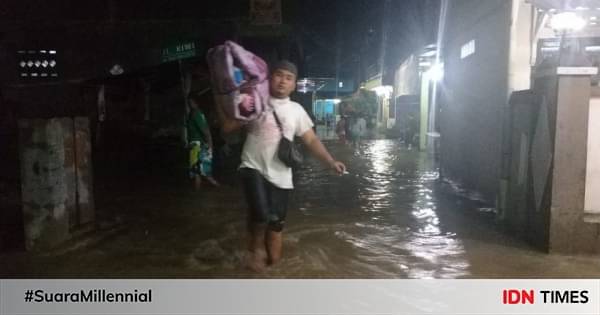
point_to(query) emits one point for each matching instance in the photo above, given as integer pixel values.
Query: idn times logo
(514, 296)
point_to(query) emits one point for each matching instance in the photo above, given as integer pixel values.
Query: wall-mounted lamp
(116, 70)
(383, 91)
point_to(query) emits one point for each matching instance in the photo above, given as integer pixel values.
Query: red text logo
(513, 296)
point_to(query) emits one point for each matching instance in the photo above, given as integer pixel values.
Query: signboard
(265, 12)
(373, 83)
(577, 70)
(179, 51)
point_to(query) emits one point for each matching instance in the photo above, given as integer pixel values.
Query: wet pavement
(390, 217)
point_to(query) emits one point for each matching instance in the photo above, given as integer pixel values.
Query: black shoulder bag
(287, 151)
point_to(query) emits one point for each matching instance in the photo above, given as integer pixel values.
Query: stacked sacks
(239, 81)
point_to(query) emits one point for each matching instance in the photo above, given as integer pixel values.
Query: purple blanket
(239, 81)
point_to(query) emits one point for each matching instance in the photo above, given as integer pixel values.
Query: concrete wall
(549, 129)
(569, 233)
(56, 179)
(86, 212)
(474, 93)
(592, 176)
(47, 180)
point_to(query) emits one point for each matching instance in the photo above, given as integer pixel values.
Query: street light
(567, 21)
(436, 72)
(563, 23)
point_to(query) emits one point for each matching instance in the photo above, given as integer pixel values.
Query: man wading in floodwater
(268, 181)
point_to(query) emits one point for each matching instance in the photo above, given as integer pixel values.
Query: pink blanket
(239, 81)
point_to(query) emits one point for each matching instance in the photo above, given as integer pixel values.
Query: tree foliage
(363, 102)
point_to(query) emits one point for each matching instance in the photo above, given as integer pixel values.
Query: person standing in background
(359, 129)
(200, 145)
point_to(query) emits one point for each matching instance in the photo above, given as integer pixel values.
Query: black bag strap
(278, 122)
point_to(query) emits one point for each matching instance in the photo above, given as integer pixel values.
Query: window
(37, 64)
(467, 49)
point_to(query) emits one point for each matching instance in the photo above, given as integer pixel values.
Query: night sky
(355, 26)
(347, 30)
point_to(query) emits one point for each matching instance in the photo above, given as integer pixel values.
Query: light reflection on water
(390, 217)
(385, 214)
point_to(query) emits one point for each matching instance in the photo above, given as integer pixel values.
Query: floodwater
(390, 217)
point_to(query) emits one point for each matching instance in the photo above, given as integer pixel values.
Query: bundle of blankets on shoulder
(239, 81)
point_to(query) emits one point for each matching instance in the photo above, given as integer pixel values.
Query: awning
(566, 5)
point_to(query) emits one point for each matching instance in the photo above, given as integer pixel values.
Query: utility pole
(337, 55)
(382, 99)
(338, 42)
(384, 26)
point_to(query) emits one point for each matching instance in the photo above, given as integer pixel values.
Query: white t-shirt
(260, 148)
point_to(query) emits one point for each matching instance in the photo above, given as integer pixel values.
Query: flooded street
(390, 217)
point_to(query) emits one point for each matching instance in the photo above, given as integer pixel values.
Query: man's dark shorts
(267, 203)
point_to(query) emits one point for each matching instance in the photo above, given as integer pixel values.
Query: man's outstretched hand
(338, 167)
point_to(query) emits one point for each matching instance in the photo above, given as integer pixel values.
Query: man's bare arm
(317, 148)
